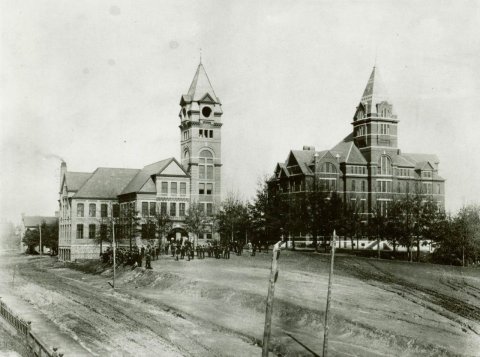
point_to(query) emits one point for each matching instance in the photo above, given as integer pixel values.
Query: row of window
(174, 188)
(362, 186)
(186, 135)
(357, 170)
(205, 188)
(384, 128)
(92, 210)
(204, 133)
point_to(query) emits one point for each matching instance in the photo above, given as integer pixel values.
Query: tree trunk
(418, 249)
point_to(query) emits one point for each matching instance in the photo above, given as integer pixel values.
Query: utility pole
(329, 297)
(40, 230)
(114, 249)
(271, 289)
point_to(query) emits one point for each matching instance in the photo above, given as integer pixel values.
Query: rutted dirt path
(216, 307)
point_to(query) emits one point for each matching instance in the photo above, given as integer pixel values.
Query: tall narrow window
(79, 209)
(103, 210)
(183, 188)
(205, 165)
(164, 188)
(115, 210)
(144, 209)
(209, 188)
(163, 207)
(92, 210)
(91, 231)
(181, 209)
(353, 185)
(385, 165)
(173, 209)
(363, 186)
(79, 231)
(173, 188)
(201, 188)
(153, 206)
(209, 209)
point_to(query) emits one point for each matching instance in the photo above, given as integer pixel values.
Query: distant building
(366, 168)
(167, 186)
(34, 223)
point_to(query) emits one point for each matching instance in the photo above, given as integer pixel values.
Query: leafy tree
(351, 222)
(130, 223)
(105, 233)
(195, 220)
(31, 239)
(162, 225)
(233, 219)
(467, 228)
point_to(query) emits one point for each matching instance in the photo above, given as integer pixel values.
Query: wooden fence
(33, 343)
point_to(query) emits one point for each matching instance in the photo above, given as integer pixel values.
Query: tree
(162, 224)
(130, 223)
(31, 239)
(233, 219)
(105, 233)
(351, 222)
(467, 227)
(195, 219)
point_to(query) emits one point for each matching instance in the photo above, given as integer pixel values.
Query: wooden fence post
(329, 296)
(269, 309)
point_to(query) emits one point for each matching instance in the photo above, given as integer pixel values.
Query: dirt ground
(216, 307)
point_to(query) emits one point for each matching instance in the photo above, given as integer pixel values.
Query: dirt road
(216, 307)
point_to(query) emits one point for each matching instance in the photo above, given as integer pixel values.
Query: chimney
(63, 171)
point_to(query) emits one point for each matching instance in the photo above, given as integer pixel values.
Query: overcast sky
(98, 84)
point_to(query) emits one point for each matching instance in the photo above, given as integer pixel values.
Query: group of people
(179, 249)
(132, 257)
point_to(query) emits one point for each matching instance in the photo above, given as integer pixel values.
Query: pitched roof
(304, 158)
(75, 180)
(200, 87)
(144, 175)
(349, 153)
(35, 221)
(374, 93)
(106, 183)
(414, 157)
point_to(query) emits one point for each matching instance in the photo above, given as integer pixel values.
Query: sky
(98, 84)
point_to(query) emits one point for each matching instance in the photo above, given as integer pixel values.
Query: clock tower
(200, 141)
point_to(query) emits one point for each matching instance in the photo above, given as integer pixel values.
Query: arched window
(186, 154)
(205, 165)
(385, 165)
(328, 168)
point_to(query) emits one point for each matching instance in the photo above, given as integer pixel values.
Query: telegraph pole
(329, 297)
(40, 230)
(271, 289)
(114, 248)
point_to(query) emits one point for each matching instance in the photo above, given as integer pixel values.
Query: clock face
(206, 111)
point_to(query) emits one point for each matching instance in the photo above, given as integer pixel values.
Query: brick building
(367, 168)
(167, 186)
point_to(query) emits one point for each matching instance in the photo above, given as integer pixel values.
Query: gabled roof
(432, 158)
(35, 221)
(349, 153)
(303, 159)
(75, 180)
(374, 93)
(143, 182)
(200, 87)
(402, 161)
(106, 183)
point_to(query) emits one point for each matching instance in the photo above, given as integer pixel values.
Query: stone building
(367, 168)
(168, 186)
